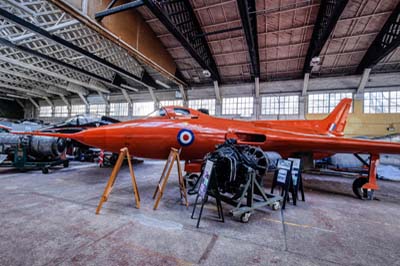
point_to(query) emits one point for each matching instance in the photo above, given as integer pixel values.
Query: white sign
(282, 173)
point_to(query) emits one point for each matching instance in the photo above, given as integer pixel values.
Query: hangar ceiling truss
(61, 50)
(247, 9)
(385, 42)
(328, 15)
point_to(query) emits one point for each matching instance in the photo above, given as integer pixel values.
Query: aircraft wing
(291, 141)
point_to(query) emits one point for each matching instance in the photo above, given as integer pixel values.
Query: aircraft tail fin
(336, 121)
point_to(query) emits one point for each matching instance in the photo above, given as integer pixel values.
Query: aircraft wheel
(192, 179)
(66, 164)
(45, 170)
(245, 217)
(276, 206)
(357, 187)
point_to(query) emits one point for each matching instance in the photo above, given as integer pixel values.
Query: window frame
(75, 113)
(392, 107)
(237, 106)
(142, 114)
(98, 111)
(205, 103)
(119, 109)
(176, 102)
(286, 105)
(47, 113)
(61, 114)
(329, 101)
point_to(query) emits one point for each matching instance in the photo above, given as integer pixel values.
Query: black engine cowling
(232, 162)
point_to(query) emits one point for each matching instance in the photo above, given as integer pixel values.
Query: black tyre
(66, 164)
(45, 170)
(357, 187)
(192, 179)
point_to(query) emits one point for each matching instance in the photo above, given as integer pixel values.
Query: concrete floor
(50, 220)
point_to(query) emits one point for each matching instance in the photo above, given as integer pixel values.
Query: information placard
(283, 179)
(282, 174)
(297, 179)
(295, 169)
(207, 188)
(205, 179)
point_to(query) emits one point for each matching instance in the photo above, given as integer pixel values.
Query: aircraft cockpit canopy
(172, 112)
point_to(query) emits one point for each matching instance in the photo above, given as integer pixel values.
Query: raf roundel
(185, 137)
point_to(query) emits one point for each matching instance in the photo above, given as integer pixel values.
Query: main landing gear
(364, 187)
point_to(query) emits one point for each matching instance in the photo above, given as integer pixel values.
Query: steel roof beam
(55, 87)
(65, 101)
(385, 42)
(248, 17)
(18, 83)
(54, 38)
(34, 102)
(113, 10)
(49, 73)
(49, 101)
(20, 103)
(7, 98)
(328, 15)
(24, 90)
(126, 95)
(56, 61)
(185, 27)
(49, 29)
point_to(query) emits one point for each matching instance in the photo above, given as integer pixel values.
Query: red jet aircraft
(198, 133)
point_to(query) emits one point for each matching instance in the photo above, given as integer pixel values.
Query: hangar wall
(358, 123)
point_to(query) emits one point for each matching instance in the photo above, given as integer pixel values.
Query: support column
(106, 101)
(217, 91)
(257, 107)
(51, 105)
(257, 98)
(363, 80)
(67, 103)
(130, 104)
(184, 95)
(20, 103)
(302, 107)
(305, 84)
(155, 100)
(84, 100)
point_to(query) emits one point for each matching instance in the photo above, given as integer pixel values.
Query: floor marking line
(209, 248)
(284, 229)
(299, 225)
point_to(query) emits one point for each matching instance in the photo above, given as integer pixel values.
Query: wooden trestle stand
(124, 153)
(172, 157)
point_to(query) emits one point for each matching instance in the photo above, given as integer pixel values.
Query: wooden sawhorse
(124, 153)
(172, 157)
